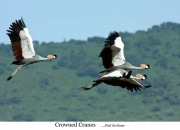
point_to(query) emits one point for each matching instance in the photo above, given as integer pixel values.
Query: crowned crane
(22, 46)
(121, 78)
(113, 54)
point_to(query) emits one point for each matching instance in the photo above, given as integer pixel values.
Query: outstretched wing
(21, 40)
(120, 78)
(106, 55)
(130, 84)
(113, 51)
(127, 83)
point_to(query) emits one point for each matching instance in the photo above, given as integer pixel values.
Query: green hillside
(51, 90)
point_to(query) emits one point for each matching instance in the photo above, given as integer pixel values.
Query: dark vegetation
(50, 91)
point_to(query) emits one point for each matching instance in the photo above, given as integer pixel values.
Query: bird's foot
(10, 77)
(86, 88)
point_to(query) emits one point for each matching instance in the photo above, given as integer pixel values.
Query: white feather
(118, 43)
(118, 57)
(116, 73)
(26, 44)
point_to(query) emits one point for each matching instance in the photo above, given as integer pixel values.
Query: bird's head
(145, 66)
(52, 57)
(142, 77)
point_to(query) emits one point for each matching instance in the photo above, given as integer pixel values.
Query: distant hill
(50, 91)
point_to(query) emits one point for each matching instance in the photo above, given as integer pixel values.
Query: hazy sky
(54, 20)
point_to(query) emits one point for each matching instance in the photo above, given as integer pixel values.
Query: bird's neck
(42, 58)
(137, 68)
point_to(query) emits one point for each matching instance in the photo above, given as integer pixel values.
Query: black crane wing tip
(129, 74)
(110, 40)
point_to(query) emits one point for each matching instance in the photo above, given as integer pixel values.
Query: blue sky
(54, 20)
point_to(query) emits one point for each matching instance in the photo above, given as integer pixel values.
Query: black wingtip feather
(110, 40)
(129, 74)
(113, 36)
(138, 88)
(23, 23)
(14, 30)
(135, 88)
(17, 26)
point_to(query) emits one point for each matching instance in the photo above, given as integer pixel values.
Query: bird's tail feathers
(17, 62)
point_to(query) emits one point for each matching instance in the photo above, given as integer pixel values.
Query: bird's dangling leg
(10, 77)
(91, 86)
